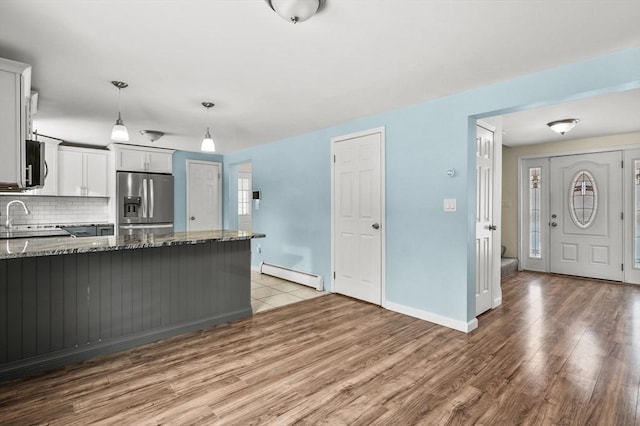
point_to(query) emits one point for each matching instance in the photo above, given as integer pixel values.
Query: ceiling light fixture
(296, 10)
(207, 143)
(119, 132)
(563, 126)
(152, 135)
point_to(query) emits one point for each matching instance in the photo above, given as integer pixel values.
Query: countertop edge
(54, 246)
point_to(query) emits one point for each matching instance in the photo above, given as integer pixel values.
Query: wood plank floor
(559, 351)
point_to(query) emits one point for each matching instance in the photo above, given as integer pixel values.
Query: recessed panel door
(585, 215)
(484, 218)
(204, 210)
(357, 217)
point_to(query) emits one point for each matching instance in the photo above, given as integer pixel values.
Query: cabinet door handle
(29, 175)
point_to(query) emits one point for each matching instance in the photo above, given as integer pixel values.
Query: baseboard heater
(304, 278)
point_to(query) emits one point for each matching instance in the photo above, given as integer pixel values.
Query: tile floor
(270, 292)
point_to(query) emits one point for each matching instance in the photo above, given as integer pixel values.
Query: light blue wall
(180, 184)
(430, 255)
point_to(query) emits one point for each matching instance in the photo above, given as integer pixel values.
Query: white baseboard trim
(255, 268)
(496, 302)
(465, 327)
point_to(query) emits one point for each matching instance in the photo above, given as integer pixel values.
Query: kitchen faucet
(9, 220)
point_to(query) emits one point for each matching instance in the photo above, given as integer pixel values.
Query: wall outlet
(449, 204)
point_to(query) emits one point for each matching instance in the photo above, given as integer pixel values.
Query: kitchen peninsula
(69, 299)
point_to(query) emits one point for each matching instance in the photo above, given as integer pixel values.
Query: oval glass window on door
(583, 199)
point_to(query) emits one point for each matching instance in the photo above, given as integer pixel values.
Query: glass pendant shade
(207, 143)
(563, 126)
(295, 10)
(119, 132)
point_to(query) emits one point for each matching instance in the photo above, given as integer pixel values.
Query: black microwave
(36, 167)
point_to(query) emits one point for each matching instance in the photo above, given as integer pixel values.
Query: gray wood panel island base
(64, 300)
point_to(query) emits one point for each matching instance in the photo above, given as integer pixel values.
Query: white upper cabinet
(82, 172)
(15, 89)
(132, 158)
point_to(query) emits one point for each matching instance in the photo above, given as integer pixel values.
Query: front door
(358, 227)
(585, 215)
(204, 211)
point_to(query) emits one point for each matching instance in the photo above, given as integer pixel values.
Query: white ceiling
(271, 79)
(599, 116)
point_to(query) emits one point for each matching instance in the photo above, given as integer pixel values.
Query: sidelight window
(244, 196)
(534, 212)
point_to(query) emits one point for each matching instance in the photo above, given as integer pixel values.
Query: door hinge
(334, 158)
(334, 275)
(622, 267)
(621, 215)
(622, 164)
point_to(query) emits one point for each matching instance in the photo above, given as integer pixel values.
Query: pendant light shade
(563, 126)
(119, 133)
(207, 143)
(295, 10)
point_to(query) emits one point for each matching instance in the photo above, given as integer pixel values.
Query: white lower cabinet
(82, 172)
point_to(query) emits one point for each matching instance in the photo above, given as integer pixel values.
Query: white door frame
(218, 201)
(631, 274)
(381, 131)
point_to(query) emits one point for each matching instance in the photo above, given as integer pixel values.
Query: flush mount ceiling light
(296, 10)
(152, 135)
(563, 126)
(207, 143)
(119, 133)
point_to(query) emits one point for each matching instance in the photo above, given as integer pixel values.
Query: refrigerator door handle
(152, 198)
(144, 198)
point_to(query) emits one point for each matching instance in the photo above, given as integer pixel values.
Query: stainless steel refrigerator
(145, 203)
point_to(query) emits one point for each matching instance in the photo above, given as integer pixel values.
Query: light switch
(449, 204)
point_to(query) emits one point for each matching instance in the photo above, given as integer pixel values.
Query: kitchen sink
(32, 232)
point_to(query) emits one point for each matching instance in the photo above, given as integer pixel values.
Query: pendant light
(295, 11)
(563, 126)
(207, 143)
(119, 133)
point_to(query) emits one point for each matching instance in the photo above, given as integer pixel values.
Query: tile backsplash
(55, 210)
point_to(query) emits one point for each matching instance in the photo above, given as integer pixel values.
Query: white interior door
(586, 215)
(358, 225)
(485, 225)
(204, 203)
(245, 196)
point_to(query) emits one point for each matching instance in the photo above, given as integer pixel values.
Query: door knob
(376, 226)
(193, 218)
(554, 224)
(492, 227)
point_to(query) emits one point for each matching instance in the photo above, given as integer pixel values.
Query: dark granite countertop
(35, 247)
